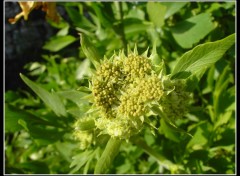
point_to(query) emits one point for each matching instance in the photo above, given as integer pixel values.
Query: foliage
(50, 129)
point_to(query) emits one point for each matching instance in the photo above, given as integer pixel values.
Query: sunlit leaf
(156, 12)
(52, 100)
(59, 42)
(192, 30)
(173, 7)
(201, 57)
(90, 51)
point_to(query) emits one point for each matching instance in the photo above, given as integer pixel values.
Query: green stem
(108, 155)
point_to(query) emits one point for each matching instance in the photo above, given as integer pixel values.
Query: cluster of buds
(84, 131)
(125, 88)
(175, 101)
(136, 66)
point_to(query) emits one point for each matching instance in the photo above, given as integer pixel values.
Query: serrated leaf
(192, 30)
(107, 156)
(79, 160)
(52, 100)
(201, 57)
(57, 43)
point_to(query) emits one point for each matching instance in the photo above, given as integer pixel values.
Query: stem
(108, 155)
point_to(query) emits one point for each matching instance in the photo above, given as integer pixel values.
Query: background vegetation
(38, 140)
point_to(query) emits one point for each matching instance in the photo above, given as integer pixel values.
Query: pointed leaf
(59, 42)
(201, 57)
(52, 100)
(173, 7)
(90, 51)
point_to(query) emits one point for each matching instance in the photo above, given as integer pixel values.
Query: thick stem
(108, 156)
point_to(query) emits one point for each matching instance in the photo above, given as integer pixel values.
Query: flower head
(125, 88)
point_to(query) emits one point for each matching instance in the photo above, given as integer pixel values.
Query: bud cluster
(104, 96)
(174, 103)
(122, 90)
(84, 131)
(125, 88)
(136, 66)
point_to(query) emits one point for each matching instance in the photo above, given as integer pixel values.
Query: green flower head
(124, 89)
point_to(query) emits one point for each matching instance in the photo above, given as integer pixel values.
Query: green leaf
(172, 7)
(73, 95)
(198, 141)
(156, 12)
(171, 124)
(83, 70)
(107, 156)
(35, 167)
(136, 13)
(11, 119)
(63, 31)
(77, 18)
(222, 97)
(42, 135)
(52, 100)
(86, 125)
(90, 51)
(197, 60)
(57, 43)
(13, 115)
(81, 159)
(223, 119)
(170, 134)
(192, 30)
(133, 26)
(163, 161)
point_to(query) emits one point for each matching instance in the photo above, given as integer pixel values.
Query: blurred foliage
(38, 130)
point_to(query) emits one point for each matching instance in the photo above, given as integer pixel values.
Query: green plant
(152, 109)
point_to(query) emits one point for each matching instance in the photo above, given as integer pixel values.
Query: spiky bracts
(126, 87)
